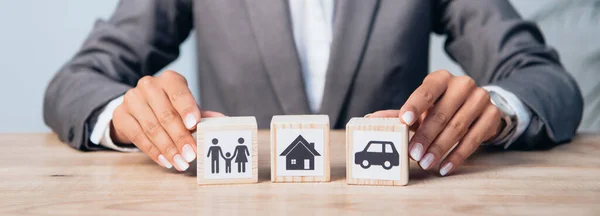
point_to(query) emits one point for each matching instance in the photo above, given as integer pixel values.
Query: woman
(240, 153)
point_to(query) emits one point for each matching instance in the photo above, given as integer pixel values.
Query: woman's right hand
(157, 116)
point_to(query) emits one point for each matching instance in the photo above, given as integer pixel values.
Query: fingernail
(446, 168)
(188, 153)
(190, 121)
(367, 115)
(408, 117)
(427, 160)
(417, 151)
(164, 162)
(181, 164)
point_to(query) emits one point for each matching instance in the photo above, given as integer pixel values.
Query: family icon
(240, 154)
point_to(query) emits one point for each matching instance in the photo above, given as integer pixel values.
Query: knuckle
(168, 73)
(443, 73)
(145, 81)
(465, 82)
(491, 134)
(171, 151)
(153, 152)
(129, 94)
(181, 138)
(436, 149)
(477, 139)
(189, 109)
(439, 117)
(137, 137)
(422, 138)
(172, 75)
(119, 111)
(459, 156)
(151, 128)
(179, 95)
(167, 116)
(494, 112)
(458, 127)
(482, 95)
(426, 95)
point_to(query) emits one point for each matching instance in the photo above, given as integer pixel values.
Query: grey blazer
(247, 62)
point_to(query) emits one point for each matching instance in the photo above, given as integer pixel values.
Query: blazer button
(70, 135)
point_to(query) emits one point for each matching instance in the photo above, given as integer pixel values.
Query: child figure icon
(228, 159)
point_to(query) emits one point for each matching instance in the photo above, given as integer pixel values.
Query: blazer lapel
(272, 28)
(352, 26)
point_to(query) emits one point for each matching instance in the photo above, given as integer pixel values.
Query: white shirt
(312, 22)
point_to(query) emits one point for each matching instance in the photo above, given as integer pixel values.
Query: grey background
(39, 36)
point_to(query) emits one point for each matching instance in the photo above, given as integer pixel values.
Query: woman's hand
(157, 116)
(444, 110)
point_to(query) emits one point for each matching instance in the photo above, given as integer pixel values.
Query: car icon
(381, 153)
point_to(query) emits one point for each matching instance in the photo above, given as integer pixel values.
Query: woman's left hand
(444, 110)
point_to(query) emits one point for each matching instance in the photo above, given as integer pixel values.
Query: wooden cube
(227, 150)
(376, 152)
(300, 148)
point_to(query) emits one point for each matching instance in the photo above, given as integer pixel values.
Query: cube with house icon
(300, 148)
(377, 152)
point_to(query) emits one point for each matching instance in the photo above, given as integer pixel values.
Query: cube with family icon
(300, 148)
(227, 150)
(376, 152)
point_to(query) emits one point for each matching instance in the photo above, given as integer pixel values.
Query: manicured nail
(408, 117)
(417, 151)
(188, 153)
(190, 121)
(164, 162)
(446, 168)
(181, 164)
(367, 115)
(427, 160)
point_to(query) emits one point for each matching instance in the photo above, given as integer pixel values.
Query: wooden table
(40, 175)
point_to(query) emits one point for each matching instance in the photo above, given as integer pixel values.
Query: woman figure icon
(241, 154)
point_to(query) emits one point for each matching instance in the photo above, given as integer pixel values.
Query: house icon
(300, 155)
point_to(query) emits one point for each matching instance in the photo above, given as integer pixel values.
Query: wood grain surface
(41, 176)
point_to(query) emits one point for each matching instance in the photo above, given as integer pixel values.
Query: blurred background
(39, 36)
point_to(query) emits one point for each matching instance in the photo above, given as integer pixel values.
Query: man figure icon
(216, 153)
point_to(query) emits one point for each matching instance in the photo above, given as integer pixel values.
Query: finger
(383, 114)
(424, 96)
(170, 121)
(483, 129)
(131, 129)
(118, 136)
(175, 86)
(394, 114)
(142, 112)
(211, 114)
(458, 91)
(457, 128)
